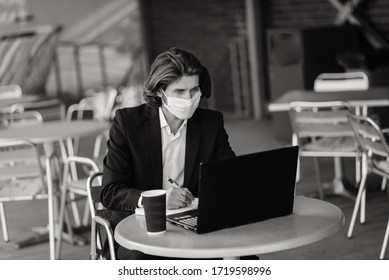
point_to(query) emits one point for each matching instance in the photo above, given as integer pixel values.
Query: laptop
(242, 190)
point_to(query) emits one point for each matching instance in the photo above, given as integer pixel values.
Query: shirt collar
(164, 123)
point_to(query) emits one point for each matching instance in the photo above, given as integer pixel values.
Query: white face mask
(181, 108)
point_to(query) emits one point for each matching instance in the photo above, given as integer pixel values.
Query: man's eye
(194, 90)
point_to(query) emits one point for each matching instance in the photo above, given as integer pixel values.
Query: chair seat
(104, 213)
(78, 186)
(332, 144)
(382, 165)
(25, 187)
(327, 130)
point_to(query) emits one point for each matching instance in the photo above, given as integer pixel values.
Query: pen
(174, 183)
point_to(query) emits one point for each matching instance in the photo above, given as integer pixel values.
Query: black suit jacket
(134, 158)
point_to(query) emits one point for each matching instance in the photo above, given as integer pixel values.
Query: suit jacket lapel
(192, 146)
(153, 132)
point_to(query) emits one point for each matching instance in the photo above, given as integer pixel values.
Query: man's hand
(178, 198)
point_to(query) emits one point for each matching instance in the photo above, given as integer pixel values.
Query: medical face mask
(181, 108)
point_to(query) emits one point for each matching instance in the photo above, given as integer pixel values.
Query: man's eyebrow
(178, 88)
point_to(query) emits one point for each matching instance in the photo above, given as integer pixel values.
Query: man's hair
(169, 67)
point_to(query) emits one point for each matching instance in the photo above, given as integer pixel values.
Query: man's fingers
(183, 196)
(189, 194)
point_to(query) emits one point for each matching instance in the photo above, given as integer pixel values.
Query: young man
(166, 138)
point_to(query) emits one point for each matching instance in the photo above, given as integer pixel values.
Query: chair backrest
(315, 119)
(20, 161)
(369, 136)
(94, 189)
(103, 104)
(10, 91)
(21, 119)
(341, 81)
(52, 109)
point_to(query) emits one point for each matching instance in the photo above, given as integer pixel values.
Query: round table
(48, 133)
(311, 221)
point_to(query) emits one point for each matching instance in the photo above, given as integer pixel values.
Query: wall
(204, 27)
(310, 13)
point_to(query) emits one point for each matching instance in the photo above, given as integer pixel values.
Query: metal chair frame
(373, 145)
(310, 122)
(97, 220)
(71, 187)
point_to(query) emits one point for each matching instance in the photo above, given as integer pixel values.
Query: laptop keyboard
(192, 221)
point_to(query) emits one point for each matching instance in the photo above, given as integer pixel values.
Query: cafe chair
(341, 81)
(72, 187)
(51, 109)
(24, 118)
(21, 175)
(100, 219)
(375, 159)
(321, 129)
(98, 106)
(10, 92)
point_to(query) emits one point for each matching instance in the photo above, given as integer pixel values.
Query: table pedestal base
(42, 235)
(337, 187)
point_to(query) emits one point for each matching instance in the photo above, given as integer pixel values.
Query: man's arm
(118, 193)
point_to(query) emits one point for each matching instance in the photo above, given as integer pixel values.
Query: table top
(311, 221)
(378, 96)
(53, 131)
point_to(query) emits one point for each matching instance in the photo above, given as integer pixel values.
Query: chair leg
(357, 203)
(76, 214)
(93, 240)
(61, 217)
(298, 171)
(3, 222)
(362, 217)
(85, 219)
(385, 243)
(318, 177)
(383, 184)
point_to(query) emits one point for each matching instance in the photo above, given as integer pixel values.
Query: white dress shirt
(173, 152)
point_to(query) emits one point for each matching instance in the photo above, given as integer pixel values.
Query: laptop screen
(246, 189)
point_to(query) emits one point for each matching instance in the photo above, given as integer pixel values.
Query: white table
(48, 133)
(361, 100)
(311, 221)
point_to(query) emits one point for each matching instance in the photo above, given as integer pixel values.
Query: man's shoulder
(132, 112)
(209, 114)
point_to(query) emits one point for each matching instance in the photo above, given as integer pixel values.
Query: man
(166, 138)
